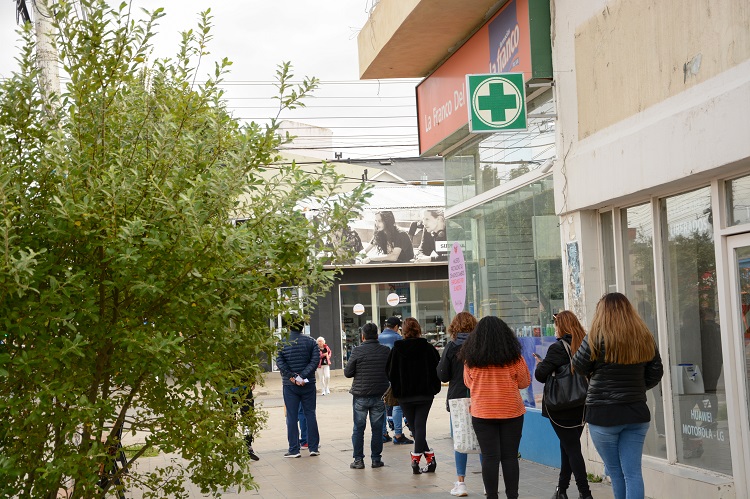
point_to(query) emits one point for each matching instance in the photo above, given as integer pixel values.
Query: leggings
(416, 414)
(499, 440)
(571, 458)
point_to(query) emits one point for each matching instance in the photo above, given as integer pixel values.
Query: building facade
(648, 194)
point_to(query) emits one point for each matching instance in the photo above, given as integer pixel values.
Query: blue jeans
(302, 425)
(361, 406)
(398, 421)
(294, 396)
(621, 449)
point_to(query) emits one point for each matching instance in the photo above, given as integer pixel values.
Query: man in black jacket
(367, 366)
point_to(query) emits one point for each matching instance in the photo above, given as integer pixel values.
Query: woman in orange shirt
(494, 372)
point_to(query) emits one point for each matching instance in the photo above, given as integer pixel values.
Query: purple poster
(504, 38)
(457, 277)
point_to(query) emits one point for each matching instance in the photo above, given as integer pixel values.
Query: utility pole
(46, 53)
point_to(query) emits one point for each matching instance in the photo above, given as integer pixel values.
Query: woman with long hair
(412, 371)
(567, 423)
(451, 370)
(389, 243)
(622, 360)
(494, 372)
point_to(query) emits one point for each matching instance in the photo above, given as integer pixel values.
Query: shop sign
(393, 299)
(457, 277)
(358, 309)
(496, 102)
(516, 39)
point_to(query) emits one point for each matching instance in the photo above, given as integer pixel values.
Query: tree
(129, 299)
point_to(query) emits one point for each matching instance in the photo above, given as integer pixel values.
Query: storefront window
(356, 311)
(514, 265)
(393, 299)
(495, 159)
(432, 310)
(638, 261)
(738, 201)
(699, 397)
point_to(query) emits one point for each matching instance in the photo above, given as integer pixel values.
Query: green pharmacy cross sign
(498, 102)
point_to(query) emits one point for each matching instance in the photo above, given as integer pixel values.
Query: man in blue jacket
(388, 337)
(367, 367)
(297, 360)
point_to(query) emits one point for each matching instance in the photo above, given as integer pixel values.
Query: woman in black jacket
(412, 371)
(451, 370)
(622, 361)
(567, 423)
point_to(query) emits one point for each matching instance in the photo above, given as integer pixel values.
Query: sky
(369, 119)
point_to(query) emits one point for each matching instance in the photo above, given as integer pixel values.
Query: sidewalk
(329, 475)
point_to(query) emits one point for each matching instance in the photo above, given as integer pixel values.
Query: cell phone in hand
(536, 356)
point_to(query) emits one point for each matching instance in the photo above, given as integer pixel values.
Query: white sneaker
(459, 490)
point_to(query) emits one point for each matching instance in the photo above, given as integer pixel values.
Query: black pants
(571, 459)
(416, 414)
(499, 440)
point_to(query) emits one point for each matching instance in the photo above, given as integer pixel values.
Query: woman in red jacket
(494, 372)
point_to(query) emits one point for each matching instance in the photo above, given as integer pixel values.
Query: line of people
(483, 361)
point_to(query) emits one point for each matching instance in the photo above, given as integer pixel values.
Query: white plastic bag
(464, 438)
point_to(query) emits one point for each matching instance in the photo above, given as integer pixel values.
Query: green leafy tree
(129, 299)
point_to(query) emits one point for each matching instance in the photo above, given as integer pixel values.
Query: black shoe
(560, 494)
(358, 464)
(378, 464)
(402, 440)
(587, 496)
(386, 438)
(253, 455)
(293, 454)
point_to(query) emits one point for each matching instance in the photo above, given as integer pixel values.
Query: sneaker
(402, 440)
(303, 446)
(378, 464)
(292, 454)
(358, 464)
(253, 455)
(314, 453)
(386, 438)
(459, 490)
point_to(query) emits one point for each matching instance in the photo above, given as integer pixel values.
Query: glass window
(494, 159)
(738, 201)
(608, 251)
(433, 299)
(638, 261)
(514, 264)
(393, 299)
(356, 311)
(698, 394)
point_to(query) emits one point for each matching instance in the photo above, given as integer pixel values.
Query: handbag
(389, 398)
(564, 388)
(464, 438)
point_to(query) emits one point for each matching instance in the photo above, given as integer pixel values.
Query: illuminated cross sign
(497, 102)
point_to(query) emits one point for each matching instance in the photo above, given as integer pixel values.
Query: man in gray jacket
(367, 366)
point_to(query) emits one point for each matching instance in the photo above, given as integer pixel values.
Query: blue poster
(504, 38)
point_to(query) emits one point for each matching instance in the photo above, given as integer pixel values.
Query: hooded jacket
(451, 370)
(412, 370)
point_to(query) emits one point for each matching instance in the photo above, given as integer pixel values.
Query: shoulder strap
(570, 356)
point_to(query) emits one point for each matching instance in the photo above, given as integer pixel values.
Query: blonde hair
(617, 326)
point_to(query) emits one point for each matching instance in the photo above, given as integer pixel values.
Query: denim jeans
(361, 407)
(398, 421)
(294, 396)
(302, 425)
(621, 448)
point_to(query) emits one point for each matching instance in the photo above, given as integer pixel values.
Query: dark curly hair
(411, 328)
(463, 322)
(492, 343)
